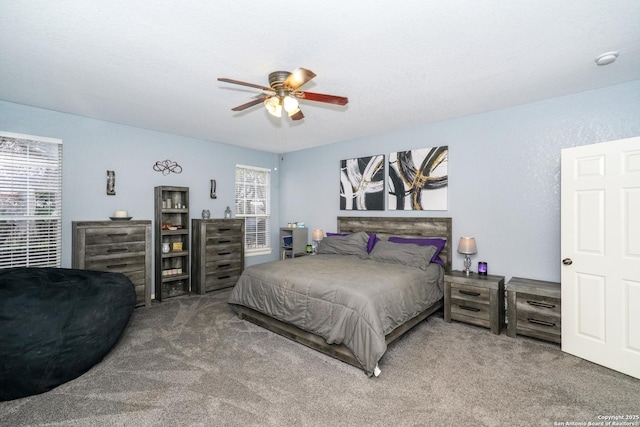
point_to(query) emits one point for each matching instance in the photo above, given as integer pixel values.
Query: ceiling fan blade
(299, 77)
(251, 103)
(296, 114)
(320, 97)
(238, 82)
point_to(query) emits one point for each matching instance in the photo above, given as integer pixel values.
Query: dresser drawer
(114, 250)
(221, 279)
(223, 263)
(223, 228)
(118, 265)
(104, 235)
(224, 252)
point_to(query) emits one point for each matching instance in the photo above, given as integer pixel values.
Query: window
(253, 187)
(30, 201)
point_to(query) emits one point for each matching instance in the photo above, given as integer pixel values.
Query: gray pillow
(353, 244)
(405, 254)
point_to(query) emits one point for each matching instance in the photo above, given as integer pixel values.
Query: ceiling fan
(283, 94)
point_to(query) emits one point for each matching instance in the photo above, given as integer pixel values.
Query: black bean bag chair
(56, 323)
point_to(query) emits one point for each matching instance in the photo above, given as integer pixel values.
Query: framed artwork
(418, 179)
(362, 183)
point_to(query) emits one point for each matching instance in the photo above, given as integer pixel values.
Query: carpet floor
(192, 362)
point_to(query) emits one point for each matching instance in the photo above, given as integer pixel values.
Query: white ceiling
(154, 64)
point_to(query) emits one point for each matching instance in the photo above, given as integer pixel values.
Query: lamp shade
(317, 235)
(467, 245)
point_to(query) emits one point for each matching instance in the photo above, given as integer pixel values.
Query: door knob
(567, 261)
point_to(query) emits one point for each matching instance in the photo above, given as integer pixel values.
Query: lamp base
(467, 264)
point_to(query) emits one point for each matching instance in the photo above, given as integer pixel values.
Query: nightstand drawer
(531, 322)
(461, 309)
(536, 304)
(470, 293)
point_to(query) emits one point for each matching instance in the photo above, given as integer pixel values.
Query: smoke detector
(606, 58)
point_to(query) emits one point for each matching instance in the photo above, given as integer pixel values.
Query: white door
(601, 254)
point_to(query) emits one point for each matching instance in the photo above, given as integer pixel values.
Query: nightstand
(474, 299)
(533, 309)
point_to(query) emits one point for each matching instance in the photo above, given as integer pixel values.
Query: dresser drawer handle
(224, 265)
(224, 253)
(117, 250)
(541, 304)
(117, 234)
(541, 322)
(225, 241)
(117, 266)
(224, 277)
(472, 294)
(225, 229)
(464, 307)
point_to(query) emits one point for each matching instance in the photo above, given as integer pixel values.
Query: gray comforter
(342, 298)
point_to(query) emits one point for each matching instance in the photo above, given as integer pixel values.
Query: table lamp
(467, 246)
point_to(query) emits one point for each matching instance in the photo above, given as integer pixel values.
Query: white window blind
(30, 201)
(253, 187)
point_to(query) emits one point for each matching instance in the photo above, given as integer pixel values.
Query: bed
(354, 297)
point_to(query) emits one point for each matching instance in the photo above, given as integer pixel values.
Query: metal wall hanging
(213, 189)
(167, 166)
(111, 183)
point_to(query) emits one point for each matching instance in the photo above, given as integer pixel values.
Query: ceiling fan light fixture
(290, 104)
(273, 106)
(293, 112)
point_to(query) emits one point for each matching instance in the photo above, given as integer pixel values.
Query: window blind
(30, 201)
(253, 187)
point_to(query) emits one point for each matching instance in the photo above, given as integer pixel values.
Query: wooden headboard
(384, 227)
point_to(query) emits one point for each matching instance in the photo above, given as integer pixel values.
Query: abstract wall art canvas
(418, 179)
(362, 183)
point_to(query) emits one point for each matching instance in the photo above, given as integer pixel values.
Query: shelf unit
(293, 242)
(172, 273)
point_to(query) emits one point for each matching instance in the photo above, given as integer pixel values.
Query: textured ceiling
(154, 64)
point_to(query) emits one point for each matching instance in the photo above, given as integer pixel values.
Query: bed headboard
(404, 226)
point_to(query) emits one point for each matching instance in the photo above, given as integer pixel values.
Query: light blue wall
(504, 171)
(91, 147)
(504, 174)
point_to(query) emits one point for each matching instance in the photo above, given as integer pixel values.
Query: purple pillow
(370, 244)
(425, 241)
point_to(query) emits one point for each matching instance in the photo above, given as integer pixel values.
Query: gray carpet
(191, 362)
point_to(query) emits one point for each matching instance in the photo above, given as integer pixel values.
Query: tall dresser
(116, 246)
(217, 251)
